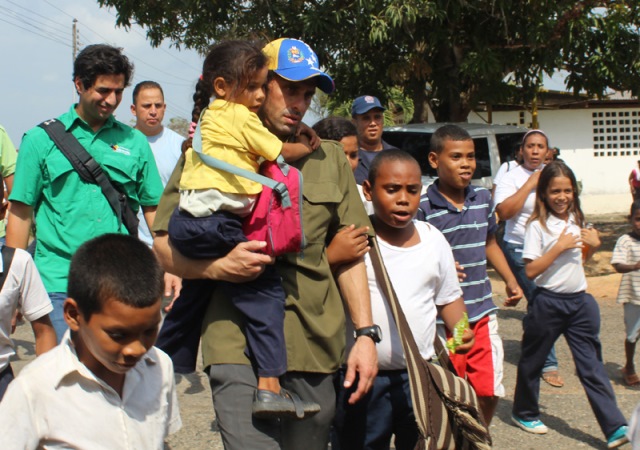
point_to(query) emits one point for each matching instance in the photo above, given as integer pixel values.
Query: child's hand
(590, 237)
(468, 339)
(460, 271)
(347, 245)
(313, 139)
(514, 294)
(567, 241)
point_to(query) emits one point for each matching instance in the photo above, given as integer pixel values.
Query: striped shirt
(466, 231)
(627, 251)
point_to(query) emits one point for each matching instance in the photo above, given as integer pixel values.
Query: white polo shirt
(56, 402)
(23, 290)
(506, 186)
(423, 276)
(566, 274)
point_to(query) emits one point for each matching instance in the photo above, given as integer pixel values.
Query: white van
(494, 145)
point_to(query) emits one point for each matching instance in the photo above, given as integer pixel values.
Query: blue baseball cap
(294, 60)
(365, 104)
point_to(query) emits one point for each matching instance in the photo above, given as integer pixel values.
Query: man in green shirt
(314, 313)
(68, 210)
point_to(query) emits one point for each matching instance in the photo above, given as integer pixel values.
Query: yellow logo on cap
(295, 55)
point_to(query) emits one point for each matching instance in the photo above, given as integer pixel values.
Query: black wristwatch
(374, 332)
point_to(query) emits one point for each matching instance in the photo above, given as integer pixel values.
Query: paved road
(566, 411)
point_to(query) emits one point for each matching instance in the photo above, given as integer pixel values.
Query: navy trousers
(577, 316)
(513, 255)
(261, 301)
(385, 411)
(6, 377)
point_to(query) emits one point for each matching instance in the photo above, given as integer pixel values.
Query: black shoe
(269, 405)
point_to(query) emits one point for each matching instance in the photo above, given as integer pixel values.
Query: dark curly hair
(335, 128)
(235, 61)
(101, 59)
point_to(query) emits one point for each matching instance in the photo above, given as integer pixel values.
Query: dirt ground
(566, 410)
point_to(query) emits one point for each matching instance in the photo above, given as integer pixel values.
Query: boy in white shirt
(104, 386)
(422, 269)
(21, 290)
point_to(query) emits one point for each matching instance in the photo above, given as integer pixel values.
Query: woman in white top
(514, 200)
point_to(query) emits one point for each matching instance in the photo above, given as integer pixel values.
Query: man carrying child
(314, 318)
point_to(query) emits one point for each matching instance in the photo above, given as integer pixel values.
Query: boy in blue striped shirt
(463, 213)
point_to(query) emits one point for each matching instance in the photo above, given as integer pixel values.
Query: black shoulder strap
(7, 259)
(91, 172)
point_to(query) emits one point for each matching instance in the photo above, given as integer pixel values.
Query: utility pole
(74, 46)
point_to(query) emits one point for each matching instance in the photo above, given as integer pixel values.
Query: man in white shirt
(148, 108)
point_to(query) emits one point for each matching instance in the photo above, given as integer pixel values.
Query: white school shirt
(566, 274)
(423, 276)
(508, 185)
(627, 251)
(23, 290)
(57, 403)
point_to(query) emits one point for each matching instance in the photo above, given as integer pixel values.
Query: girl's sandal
(553, 378)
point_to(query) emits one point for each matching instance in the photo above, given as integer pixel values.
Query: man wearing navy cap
(368, 115)
(314, 323)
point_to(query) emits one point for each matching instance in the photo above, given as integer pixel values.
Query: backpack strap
(91, 172)
(7, 259)
(216, 163)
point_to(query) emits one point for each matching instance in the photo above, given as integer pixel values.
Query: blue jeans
(513, 253)
(57, 315)
(386, 411)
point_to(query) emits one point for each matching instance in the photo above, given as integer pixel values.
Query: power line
(29, 21)
(64, 27)
(159, 48)
(54, 6)
(37, 34)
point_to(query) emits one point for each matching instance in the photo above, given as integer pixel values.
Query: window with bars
(614, 132)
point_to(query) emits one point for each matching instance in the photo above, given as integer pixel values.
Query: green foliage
(447, 54)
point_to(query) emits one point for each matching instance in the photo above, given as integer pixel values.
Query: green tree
(448, 54)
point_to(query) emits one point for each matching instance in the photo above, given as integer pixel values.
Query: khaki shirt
(314, 316)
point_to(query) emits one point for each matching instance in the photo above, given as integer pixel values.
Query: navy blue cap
(365, 104)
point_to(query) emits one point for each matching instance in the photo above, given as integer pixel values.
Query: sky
(36, 52)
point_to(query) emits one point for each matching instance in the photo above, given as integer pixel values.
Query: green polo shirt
(314, 322)
(68, 210)
(8, 158)
(8, 154)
